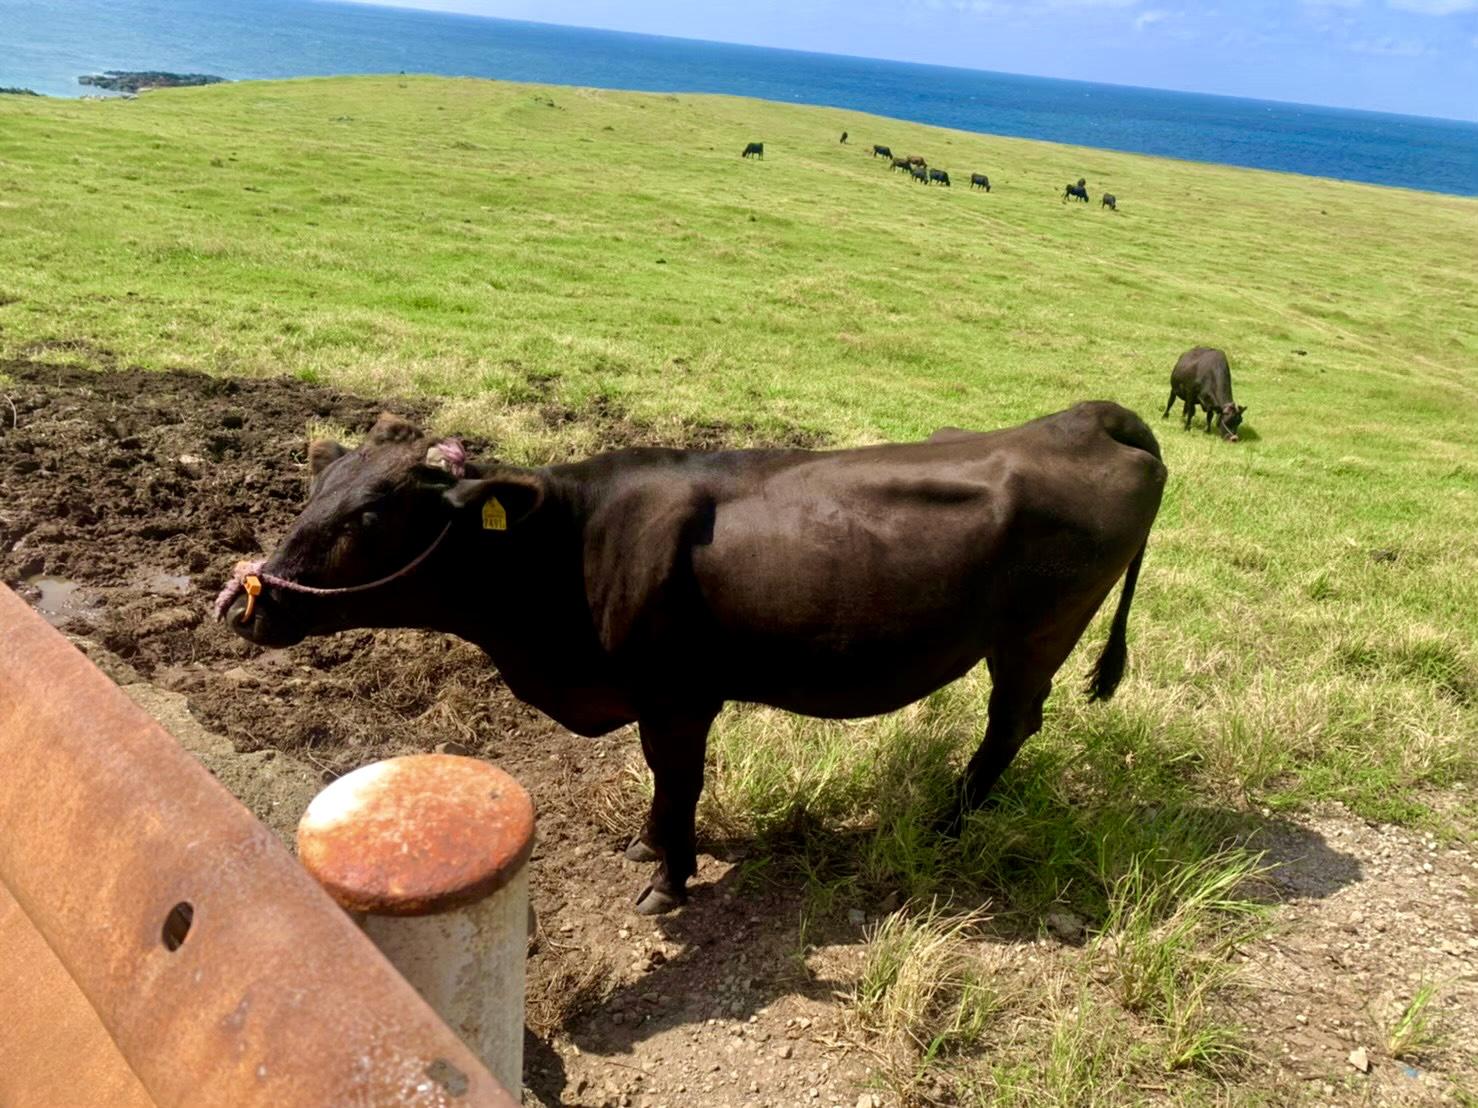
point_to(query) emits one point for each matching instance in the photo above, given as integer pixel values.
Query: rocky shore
(118, 80)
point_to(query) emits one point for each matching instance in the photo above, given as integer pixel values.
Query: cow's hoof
(949, 825)
(639, 851)
(655, 902)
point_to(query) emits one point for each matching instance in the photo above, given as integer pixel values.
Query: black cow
(919, 173)
(1077, 192)
(653, 585)
(899, 163)
(1202, 376)
(881, 152)
(979, 181)
(939, 175)
(754, 149)
(1109, 201)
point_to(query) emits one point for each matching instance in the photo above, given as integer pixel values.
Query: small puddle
(59, 600)
(169, 584)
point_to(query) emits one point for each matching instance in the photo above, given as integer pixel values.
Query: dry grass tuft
(565, 985)
(924, 994)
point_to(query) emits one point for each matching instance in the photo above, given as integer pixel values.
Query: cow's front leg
(674, 743)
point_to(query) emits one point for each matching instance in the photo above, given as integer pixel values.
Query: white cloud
(1149, 18)
(1435, 7)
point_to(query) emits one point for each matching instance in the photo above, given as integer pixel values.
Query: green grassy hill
(466, 235)
(1305, 628)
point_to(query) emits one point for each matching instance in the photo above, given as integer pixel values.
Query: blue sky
(1413, 56)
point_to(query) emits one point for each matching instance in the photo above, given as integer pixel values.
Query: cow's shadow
(730, 931)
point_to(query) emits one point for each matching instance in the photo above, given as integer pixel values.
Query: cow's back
(1204, 367)
(841, 562)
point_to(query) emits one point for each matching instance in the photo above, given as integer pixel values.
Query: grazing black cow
(939, 175)
(754, 149)
(919, 173)
(979, 181)
(1077, 192)
(653, 586)
(899, 163)
(1202, 376)
(1109, 201)
(881, 152)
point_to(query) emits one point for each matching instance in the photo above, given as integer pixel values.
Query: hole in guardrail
(448, 1076)
(177, 925)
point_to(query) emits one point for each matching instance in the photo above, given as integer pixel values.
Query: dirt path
(1361, 929)
(126, 497)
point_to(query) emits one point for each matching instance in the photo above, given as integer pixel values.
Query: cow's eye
(368, 519)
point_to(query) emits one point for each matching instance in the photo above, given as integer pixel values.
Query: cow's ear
(1242, 410)
(323, 453)
(502, 500)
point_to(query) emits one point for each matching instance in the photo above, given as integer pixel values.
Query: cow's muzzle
(260, 619)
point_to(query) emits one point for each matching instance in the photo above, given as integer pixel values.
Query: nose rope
(248, 576)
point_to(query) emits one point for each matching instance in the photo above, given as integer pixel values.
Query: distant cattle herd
(919, 170)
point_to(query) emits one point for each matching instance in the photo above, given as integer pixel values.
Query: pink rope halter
(248, 576)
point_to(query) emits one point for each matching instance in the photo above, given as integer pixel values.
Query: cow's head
(1231, 419)
(372, 512)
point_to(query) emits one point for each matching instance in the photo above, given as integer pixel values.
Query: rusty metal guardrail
(220, 970)
(53, 1050)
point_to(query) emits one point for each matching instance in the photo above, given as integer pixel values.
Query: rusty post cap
(417, 835)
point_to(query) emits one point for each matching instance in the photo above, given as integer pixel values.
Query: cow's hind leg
(1015, 716)
(1016, 698)
(674, 743)
(1189, 411)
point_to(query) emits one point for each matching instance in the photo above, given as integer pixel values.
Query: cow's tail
(1127, 428)
(1108, 671)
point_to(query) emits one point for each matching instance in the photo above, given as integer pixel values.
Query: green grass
(1305, 625)
(1416, 1030)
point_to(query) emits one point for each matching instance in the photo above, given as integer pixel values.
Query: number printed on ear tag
(494, 518)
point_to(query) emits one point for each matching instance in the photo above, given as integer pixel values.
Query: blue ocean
(46, 44)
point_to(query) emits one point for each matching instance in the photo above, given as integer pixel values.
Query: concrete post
(429, 852)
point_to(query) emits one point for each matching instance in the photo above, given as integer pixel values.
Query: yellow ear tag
(494, 518)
